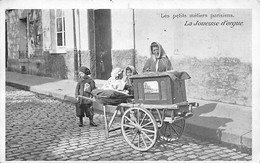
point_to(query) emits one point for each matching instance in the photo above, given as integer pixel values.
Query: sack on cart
(110, 97)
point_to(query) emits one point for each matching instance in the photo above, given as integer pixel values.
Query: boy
(84, 87)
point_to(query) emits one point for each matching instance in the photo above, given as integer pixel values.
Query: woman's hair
(131, 68)
(154, 44)
(128, 68)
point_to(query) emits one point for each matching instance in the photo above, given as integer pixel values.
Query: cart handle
(90, 98)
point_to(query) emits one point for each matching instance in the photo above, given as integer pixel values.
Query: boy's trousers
(83, 110)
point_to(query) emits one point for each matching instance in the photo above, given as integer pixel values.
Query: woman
(158, 62)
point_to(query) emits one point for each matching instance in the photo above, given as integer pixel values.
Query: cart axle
(170, 120)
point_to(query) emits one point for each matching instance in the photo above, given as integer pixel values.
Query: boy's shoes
(80, 121)
(93, 124)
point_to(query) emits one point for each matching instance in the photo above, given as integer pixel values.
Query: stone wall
(223, 79)
(15, 36)
(55, 66)
(85, 58)
(62, 65)
(218, 79)
(122, 58)
(51, 65)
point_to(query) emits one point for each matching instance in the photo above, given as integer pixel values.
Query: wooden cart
(159, 109)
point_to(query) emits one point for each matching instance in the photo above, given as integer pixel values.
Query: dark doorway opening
(23, 46)
(103, 43)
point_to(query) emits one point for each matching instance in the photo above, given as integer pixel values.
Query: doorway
(103, 43)
(23, 46)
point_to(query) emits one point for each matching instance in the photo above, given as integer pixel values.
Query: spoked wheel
(139, 128)
(172, 131)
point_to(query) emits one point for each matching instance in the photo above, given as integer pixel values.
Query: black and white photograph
(130, 81)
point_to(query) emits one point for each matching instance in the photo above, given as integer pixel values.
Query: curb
(243, 142)
(23, 87)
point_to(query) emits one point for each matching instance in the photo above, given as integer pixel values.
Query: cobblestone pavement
(39, 127)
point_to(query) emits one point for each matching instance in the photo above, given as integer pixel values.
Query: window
(60, 28)
(151, 90)
(151, 87)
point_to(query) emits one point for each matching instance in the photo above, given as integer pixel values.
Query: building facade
(212, 45)
(45, 42)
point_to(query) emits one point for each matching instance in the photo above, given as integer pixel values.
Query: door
(103, 43)
(23, 46)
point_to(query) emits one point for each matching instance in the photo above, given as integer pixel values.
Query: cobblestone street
(39, 127)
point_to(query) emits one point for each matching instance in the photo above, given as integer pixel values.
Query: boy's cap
(85, 70)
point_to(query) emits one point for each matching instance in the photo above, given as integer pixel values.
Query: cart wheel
(172, 131)
(139, 128)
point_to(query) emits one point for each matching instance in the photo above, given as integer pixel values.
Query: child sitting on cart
(128, 72)
(115, 82)
(84, 87)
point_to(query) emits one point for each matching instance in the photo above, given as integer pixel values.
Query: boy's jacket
(84, 87)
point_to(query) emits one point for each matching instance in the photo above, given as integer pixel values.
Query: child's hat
(85, 70)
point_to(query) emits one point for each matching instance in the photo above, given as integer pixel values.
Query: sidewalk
(224, 123)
